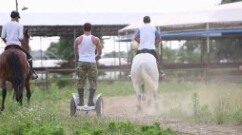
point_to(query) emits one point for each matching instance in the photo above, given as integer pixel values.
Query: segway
(98, 105)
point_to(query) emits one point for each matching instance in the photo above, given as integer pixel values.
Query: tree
(64, 48)
(220, 49)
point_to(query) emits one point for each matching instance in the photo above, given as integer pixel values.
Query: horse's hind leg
(139, 103)
(4, 93)
(138, 93)
(28, 92)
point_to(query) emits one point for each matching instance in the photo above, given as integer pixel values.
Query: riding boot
(91, 95)
(32, 74)
(80, 93)
(161, 72)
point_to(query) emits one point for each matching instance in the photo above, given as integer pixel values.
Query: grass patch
(213, 103)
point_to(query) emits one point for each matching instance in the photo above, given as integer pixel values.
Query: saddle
(13, 47)
(145, 51)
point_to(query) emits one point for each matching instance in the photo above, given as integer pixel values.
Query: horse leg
(139, 103)
(4, 93)
(138, 93)
(27, 86)
(142, 87)
(155, 100)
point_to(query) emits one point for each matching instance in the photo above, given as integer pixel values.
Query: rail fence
(181, 72)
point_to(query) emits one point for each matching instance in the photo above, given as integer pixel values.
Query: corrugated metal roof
(222, 16)
(64, 24)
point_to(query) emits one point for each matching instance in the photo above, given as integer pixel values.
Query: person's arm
(21, 34)
(157, 37)
(4, 35)
(98, 48)
(137, 36)
(76, 43)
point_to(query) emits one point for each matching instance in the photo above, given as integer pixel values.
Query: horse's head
(26, 34)
(25, 43)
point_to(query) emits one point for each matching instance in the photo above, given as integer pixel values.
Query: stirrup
(33, 75)
(162, 75)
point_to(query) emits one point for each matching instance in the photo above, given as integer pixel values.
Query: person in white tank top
(148, 37)
(85, 47)
(12, 35)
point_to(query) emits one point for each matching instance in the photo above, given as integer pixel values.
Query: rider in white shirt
(148, 37)
(12, 34)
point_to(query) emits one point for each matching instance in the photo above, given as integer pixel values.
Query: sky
(128, 6)
(100, 6)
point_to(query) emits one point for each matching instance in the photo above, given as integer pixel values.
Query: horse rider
(148, 37)
(12, 35)
(84, 47)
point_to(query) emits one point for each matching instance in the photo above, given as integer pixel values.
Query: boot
(91, 95)
(80, 93)
(33, 74)
(161, 73)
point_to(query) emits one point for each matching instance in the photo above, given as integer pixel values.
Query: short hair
(146, 19)
(87, 26)
(14, 14)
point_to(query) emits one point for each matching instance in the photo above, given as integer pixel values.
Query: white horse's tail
(144, 71)
(148, 80)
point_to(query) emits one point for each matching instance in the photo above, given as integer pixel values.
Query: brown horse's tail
(17, 73)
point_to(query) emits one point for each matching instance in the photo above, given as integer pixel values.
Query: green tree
(169, 55)
(222, 48)
(190, 51)
(64, 48)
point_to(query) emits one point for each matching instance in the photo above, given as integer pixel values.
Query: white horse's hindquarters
(144, 70)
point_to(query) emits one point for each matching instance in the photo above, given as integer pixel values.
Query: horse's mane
(25, 43)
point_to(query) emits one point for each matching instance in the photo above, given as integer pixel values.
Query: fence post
(46, 79)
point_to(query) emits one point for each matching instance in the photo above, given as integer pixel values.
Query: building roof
(221, 16)
(67, 24)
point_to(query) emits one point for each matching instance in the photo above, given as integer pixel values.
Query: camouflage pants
(87, 70)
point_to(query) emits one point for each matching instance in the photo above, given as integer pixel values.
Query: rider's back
(13, 32)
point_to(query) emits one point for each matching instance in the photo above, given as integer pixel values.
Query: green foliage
(64, 48)
(201, 113)
(190, 52)
(34, 121)
(169, 55)
(113, 88)
(50, 108)
(124, 128)
(222, 112)
(238, 117)
(61, 82)
(45, 130)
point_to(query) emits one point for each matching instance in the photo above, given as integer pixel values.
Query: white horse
(144, 75)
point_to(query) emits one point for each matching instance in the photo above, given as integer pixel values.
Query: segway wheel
(99, 106)
(72, 107)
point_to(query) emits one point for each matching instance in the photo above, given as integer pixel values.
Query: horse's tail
(16, 68)
(148, 79)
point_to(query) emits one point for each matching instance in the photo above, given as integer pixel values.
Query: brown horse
(15, 69)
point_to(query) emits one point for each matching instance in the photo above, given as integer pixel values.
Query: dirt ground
(124, 108)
